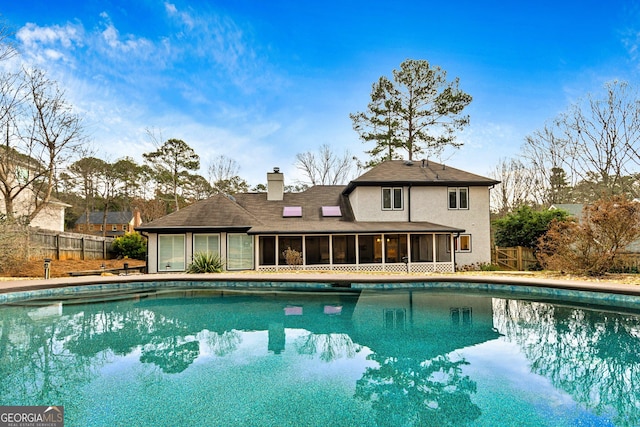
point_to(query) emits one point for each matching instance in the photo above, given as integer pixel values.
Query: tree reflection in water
(50, 354)
(592, 355)
(330, 346)
(408, 392)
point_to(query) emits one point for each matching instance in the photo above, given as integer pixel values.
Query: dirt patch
(35, 268)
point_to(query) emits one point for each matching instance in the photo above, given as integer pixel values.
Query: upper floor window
(458, 198)
(392, 198)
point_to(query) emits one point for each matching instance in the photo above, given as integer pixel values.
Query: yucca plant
(206, 262)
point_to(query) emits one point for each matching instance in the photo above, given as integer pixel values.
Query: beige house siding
(430, 204)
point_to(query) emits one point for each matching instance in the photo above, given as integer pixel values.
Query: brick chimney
(275, 185)
(137, 219)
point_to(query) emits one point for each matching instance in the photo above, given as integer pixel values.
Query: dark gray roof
(220, 213)
(419, 173)
(253, 213)
(112, 218)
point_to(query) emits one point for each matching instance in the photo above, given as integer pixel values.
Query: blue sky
(260, 81)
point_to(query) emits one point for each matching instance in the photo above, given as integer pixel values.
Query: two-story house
(21, 195)
(399, 216)
(113, 225)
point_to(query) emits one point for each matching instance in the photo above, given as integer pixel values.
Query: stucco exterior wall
(430, 204)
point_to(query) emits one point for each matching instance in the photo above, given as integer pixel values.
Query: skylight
(292, 211)
(331, 211)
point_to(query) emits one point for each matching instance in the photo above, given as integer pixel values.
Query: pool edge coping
(337, 278)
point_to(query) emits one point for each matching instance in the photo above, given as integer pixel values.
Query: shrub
(206, 262)
(594, 245)
(292, 257)
(131, 245)
(525, 226)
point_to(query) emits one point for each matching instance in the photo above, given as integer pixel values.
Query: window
(206, 243)
(124, 227)
(292, 211)
(331, 211)
(114, 227)
(22, 175)
(461, 316)
(392, 199)
(370, 249)
(171, 253)
(395, 247)
(316, 249)
(239, 252)
(395, 318)
(422, 248)
(284, 243)
(267, 250)
(344, 249)
(458, 198)
(462, 243)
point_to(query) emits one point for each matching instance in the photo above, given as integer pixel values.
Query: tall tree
(171, 164)
(419, 111)
(325, 167)
(40, 132)
(595, 142)
(224, 178)
(514, 188)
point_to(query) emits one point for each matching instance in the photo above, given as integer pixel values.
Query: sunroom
(394, 252)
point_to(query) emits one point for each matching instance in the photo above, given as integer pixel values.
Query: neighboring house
(399, 216)
(117, 223)
(573, 209)
(17, 172)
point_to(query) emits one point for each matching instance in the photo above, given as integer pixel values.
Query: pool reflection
(416, 375)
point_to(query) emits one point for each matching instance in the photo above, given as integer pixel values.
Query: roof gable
(425, 173)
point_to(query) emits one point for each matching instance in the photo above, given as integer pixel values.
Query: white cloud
(32, 35)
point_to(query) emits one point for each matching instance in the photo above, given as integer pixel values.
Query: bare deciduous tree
(514, 189)
(40, 132)
(597, 137)
(325, 167)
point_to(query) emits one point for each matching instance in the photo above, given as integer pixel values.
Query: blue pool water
(343, 357)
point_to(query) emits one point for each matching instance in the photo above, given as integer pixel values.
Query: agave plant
(206, 262)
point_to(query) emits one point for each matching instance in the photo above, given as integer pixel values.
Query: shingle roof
(222, 213)
(112, 218)
(425, 173)
(253, 213)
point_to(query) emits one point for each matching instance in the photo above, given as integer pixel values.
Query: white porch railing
(414, 267)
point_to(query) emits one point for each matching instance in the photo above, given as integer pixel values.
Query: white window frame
(458, 199)
(392, 198)
(179, 266)
(231, 261)
(214, 251)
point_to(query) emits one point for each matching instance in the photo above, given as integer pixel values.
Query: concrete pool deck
(9, 286)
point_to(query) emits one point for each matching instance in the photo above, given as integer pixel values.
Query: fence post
(57, 240)
(82, 254)
(519, 257)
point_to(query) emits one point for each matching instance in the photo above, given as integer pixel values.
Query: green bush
(206, 262)
(131, 245)
(525, 226)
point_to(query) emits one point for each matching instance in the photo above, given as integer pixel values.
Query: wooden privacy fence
(61, 246)
(516, 258)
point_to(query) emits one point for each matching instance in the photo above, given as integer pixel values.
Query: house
(399, 216)
(117, 223)
(18, 173)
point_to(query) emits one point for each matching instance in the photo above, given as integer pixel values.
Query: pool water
(202, 357)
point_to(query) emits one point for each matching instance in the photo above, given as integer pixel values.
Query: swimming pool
(454, 354)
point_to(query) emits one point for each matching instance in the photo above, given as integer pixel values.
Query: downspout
(409, 202)
(453, 251)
